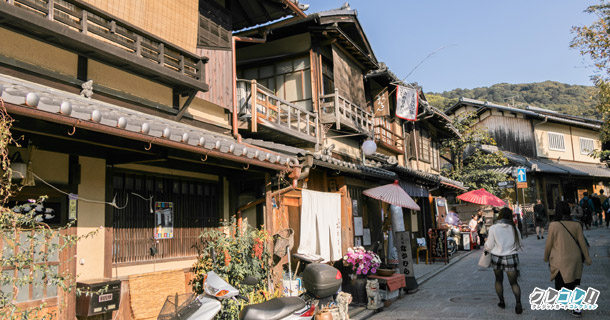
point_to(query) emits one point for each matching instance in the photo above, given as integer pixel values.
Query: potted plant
(363, 262)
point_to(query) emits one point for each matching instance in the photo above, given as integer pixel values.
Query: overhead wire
(112, 204)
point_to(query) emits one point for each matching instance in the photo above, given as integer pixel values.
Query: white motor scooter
(216, 289)
(206, 305)
(321, 283)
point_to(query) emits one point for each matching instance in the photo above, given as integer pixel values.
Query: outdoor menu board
(437, 246)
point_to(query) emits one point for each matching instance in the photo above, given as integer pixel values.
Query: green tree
(471, 165)
(594, 41)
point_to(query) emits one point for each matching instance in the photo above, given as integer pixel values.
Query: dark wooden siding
(219, 75)
(348, 79)
(512, 134)
(195, 208)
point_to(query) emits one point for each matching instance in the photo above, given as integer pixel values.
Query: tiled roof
(452, 183)
(574, 168)
(61, 104)
(592, 124)
(550, 166)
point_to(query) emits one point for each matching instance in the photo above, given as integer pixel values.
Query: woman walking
(566, 250)
(481, 227)
(503, 242)
(539, 219)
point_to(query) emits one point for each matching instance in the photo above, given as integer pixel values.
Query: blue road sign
(521, 176)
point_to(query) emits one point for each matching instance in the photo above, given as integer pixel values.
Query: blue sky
(485, 41)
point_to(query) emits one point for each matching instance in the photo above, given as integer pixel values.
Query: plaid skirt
(506, 263)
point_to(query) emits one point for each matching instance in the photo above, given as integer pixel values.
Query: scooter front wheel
(451, 247)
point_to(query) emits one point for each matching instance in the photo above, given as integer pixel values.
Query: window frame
(278, 79)
(550, 139)
(425, 154)
(56, 262)
(589, 140)
(435, 161)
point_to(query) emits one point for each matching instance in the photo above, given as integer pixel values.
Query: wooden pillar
(347, 221)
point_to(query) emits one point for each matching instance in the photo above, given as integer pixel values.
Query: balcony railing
(336, 109)
(389, 138)
(78, 26)
(274, 112)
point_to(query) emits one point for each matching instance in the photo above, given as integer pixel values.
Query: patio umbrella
(393, 194)
(482, 196)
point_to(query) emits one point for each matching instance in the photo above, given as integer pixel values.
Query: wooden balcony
(275, 119)
(335, 109)
(79, 27)
(385, 137)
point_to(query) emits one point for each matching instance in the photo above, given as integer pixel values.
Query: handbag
(485, 259)
(582, 255)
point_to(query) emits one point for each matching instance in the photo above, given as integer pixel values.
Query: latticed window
(40, 286)
(586, 145)
(556, 141)
(194, 207)
(424, 145)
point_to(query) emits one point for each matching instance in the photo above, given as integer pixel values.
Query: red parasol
(393, 194)
(483, 197)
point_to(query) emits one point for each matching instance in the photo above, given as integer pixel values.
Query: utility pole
(512, 100)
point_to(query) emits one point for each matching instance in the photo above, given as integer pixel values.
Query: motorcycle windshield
(217, 287)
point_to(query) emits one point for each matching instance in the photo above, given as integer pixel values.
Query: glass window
(283, 67)
(424, 145)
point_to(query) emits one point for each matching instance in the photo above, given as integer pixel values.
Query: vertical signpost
(522, 184)
(402, 241)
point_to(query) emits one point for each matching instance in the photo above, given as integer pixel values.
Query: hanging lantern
(369, 147)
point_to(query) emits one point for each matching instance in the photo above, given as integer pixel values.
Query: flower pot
(385, 272)
(358, 290)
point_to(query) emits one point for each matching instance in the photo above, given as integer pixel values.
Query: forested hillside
(570, 99)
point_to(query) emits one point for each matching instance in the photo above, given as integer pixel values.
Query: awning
(572, 168)
(452, 183)
(413, 189)
(42, 102)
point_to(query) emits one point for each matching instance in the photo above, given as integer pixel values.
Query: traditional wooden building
(126, 106)
(555, 149)
(312, 86)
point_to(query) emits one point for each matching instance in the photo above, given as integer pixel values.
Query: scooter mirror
(250, 280)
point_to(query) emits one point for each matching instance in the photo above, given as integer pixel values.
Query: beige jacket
(562, 253)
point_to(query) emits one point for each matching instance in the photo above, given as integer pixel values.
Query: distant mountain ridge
(576, 100)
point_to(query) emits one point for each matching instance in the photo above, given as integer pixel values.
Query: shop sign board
(437, 246)
(402, 242)
(506, 184)
(164, 220)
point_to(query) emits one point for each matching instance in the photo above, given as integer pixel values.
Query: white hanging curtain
(321, 225)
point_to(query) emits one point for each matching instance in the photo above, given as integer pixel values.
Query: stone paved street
(466, 291)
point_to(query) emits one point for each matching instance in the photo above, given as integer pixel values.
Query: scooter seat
(273, 309)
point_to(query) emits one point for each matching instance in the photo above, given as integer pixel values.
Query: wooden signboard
(441, 211)
(402, 242)
(437, 244)
(382, 104)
